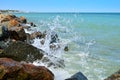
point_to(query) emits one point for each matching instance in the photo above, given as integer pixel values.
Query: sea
(93, 40)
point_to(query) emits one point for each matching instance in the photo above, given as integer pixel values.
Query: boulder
(2, 16)
(4, 34)
(77, 76)
(18, 33)
(23, 20)
(8, 18)
(13, 70)
(13, 23)
(36, 35)
(115, 76)
(32, 24)
(21, 51)
(66, 48)
(3, 44)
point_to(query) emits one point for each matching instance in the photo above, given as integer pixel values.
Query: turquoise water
(93, 40)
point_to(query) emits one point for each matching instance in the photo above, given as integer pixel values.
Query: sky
(62, 5)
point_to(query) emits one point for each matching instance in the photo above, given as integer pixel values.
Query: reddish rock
(13, 70)
(8, 18)
(13, 23)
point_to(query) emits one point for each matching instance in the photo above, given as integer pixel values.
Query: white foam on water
(56, 55)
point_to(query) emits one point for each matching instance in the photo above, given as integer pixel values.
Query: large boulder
(77, 76)
(13, 70)
(115, 76)
(21, 51)
(13, 23)
(18, 33)
(8, 17)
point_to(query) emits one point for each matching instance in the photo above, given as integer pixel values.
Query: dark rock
(77, 76)
(3, 33)
(115, 76)
(3, 44)
(21, 51)
(32, 24)
(66, 48)
(18, 34)
(13, 70)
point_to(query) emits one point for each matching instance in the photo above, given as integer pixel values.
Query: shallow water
(93, 41)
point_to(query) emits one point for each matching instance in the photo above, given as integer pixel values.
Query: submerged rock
(115, 76)
(66, 48)
(21, 51)
(77, 76)
(13, 70)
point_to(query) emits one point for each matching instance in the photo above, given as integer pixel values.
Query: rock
(21, 51)
(66, 48)
(115, 76)
(8, 18)
(3, 44)
(3, 33)
(32, 24)
(36, 35)
(13, 70)
(77, 76)
(13, 23)
(18, 33)
(23, 20)
(54, 46)
(2, 16)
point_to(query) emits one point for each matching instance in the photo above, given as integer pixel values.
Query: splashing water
(56, 55)
(88, 37)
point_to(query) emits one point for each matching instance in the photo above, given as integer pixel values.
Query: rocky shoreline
(16, 52)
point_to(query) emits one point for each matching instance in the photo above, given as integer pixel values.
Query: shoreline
(118, 74)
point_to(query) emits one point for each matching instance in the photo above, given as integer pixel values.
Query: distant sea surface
(93, 40)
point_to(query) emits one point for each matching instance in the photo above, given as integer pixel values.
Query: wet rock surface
(77, 76)
(21, 51)
(13, 70)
